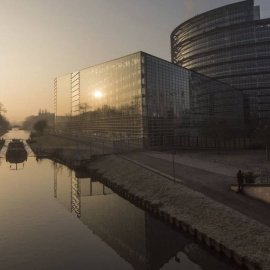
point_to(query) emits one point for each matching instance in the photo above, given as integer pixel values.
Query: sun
(97, 94)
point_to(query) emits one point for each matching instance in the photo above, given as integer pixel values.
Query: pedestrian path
(172, 178)
(200, 176)
(209, 166)
(30, 153)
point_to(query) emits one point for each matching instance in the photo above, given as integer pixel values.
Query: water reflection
(104, 232)
(140, 239)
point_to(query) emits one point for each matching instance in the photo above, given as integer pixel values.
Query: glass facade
(111, 98)
(230, 44)
(140, 96)
(63, 102)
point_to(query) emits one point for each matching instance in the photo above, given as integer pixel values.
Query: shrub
(40, 126)
(34, 135)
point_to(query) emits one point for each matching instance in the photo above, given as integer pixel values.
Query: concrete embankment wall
(244, 240)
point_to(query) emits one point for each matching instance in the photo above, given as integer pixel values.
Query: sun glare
(97, 94)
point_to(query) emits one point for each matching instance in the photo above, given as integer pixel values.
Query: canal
(55, 218)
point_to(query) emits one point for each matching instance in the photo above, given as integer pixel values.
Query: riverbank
(60, 148)
(237, 236)
(247, 160)
(2, 142)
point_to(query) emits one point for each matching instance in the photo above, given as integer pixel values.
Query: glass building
(140, 96)
(230, 44)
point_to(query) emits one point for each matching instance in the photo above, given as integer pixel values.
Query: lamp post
(173, 153)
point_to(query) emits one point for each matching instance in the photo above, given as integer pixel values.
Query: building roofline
(100, 63)
(141, 52)
(209, 11)
(106, 62)
(213, 79)
(226, 27)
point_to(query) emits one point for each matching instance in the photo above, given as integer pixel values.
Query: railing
(201, 142)
(102, 145)
(263, 177)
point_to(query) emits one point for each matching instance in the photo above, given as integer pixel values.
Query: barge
(16, 152)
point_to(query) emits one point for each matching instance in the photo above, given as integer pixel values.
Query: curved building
(230, 44)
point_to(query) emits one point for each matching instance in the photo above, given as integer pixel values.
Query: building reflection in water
(16, 161)
(140, 239)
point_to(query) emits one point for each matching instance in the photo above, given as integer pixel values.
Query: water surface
(55, 218)
(15, 133)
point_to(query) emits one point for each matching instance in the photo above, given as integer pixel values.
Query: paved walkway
(209, 166)
(209, 178)
(30, 153)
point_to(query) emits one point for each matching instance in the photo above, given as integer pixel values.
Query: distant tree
(2, 108)
(4, 123)
(217, 128)
(40, 126)
(262, 134)
(29, 122)
(84, 107)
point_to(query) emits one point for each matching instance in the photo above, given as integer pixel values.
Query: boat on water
(16, 152)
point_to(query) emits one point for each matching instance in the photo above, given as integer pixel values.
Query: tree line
(4, 123)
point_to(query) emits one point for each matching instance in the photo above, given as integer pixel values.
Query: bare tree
(4, 123)
(217, 128)
(84, 107)
(2, 109)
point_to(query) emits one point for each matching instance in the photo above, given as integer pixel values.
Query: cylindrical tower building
(230, 44)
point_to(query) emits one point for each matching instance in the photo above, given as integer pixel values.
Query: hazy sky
(44, 39)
